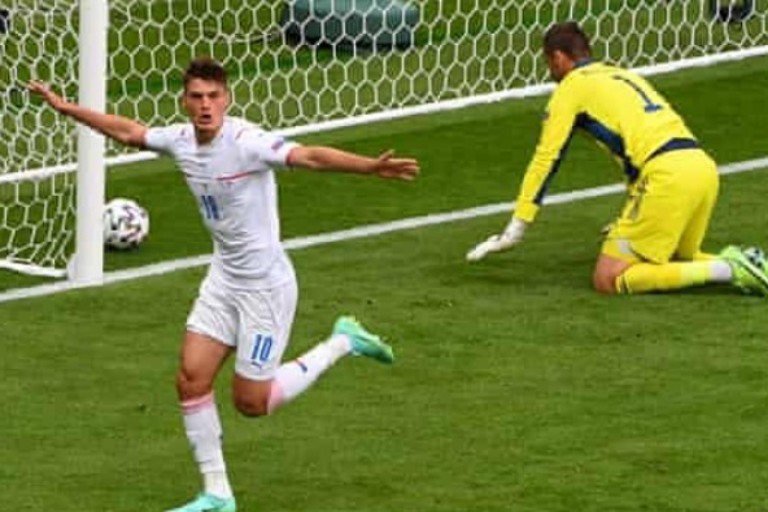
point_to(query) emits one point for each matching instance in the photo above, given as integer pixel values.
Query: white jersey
(233, 183)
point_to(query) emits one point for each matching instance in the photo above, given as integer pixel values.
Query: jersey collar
(215, 140)
(583, 62)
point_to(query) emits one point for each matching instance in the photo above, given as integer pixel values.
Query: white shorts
(257, 323)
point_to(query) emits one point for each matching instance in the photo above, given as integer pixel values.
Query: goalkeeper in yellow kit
(655, 244)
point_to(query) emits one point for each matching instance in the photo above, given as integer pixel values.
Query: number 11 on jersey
(212, 211)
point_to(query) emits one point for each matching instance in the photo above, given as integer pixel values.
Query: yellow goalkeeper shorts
(667, 210)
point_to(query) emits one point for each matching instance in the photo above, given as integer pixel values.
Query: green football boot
(363, 342)
(748, 267)
(208, 503)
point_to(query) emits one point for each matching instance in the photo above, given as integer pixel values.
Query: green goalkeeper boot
(748, 267)
(364, 343)
(208, 503)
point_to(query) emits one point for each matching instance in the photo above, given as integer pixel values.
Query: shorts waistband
(673, 145)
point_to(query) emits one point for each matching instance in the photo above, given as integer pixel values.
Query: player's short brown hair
(568, 38)
(205, 68)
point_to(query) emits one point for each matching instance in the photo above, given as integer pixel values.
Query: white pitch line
(353, 233)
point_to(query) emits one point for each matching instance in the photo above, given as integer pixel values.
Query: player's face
(559, 64)
(206, 103)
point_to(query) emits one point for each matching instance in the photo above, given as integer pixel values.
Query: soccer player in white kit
(248, 299)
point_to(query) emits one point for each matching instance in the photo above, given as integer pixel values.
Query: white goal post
(296, 66)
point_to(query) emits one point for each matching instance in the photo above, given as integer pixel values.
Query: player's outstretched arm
(121, 129)
(322, 158)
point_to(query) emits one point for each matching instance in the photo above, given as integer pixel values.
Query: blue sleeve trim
(552, 171)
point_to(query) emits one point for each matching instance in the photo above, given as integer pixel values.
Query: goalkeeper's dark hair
(205, 68)
(568, 38)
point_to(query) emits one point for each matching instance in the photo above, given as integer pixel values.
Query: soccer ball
(126, 224)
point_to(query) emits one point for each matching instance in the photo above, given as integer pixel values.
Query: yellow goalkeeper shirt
(620, 109)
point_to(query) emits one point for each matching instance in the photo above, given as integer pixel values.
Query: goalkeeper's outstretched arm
(553, 141)
(124, 130)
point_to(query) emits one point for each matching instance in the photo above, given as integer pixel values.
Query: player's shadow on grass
(503, 273)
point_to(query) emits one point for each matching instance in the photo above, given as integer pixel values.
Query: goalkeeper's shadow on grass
(710, 290)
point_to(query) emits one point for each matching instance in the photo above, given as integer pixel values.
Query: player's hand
(511, 236)
(50, 97)
(386, 166)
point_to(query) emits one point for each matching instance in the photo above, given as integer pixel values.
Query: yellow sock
(649, 277)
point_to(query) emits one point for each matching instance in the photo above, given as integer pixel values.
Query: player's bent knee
(251, 398)
(252, 406)
(607, 270)
(190, 386)
(604, 282)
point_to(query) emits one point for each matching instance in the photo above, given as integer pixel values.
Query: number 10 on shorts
(262, 346)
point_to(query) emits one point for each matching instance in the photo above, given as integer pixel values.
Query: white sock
(294, 377)
(721, 271)
(217, 483)
(203, 428)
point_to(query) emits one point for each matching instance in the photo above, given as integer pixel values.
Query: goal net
(304, 65)
(37, 39)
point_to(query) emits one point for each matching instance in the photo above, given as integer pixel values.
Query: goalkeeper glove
(511, 236)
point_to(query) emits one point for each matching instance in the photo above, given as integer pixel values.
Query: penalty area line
(366, 231)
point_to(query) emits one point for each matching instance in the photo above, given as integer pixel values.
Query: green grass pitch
(516, 386)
